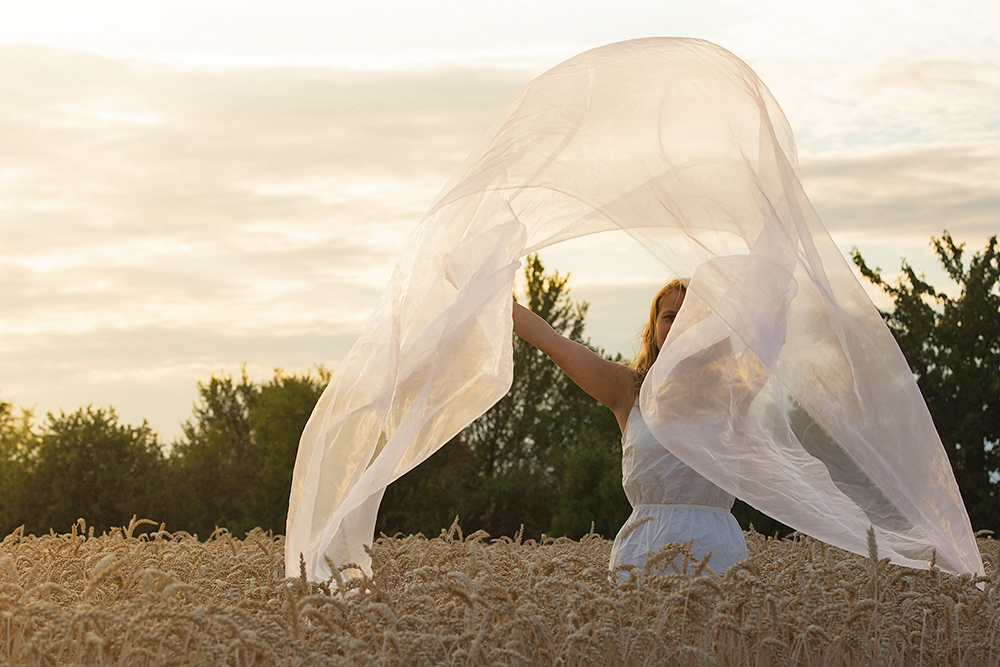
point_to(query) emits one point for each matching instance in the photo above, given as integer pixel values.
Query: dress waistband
(652, 506)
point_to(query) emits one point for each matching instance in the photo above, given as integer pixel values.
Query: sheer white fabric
(671, 503)
(779, 381)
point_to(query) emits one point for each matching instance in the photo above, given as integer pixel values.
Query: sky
(187, 188)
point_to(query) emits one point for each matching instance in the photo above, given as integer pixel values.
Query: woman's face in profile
(665, 315)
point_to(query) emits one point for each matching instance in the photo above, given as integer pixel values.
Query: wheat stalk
(165, 598)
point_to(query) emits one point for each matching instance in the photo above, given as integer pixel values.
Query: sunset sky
(186, 187)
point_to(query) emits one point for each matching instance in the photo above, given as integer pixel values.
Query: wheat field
(163, 598)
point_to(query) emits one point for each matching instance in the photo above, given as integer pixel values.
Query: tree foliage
(87, 464)
(214, 465)
(547, 455)
(952, 344)
(17, 444)
(233, 467)
(429, 497)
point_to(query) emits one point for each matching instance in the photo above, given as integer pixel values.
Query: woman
(666, 139)
(670, 501)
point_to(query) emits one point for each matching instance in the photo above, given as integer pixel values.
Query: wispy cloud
(151, 212)
(909, 192)
(162, 222)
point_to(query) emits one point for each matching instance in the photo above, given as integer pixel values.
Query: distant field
(168, 599)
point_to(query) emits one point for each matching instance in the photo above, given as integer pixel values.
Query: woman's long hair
(647, 335)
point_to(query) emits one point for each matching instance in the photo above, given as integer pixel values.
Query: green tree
(546, 455)
(277, 419)
(87, 464)
(213, 466)
(588, 478)
(234, 463)
(534, 451)
(429, 497)
(18, 441)
(953, 347)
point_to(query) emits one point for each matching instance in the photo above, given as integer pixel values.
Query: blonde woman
(670, 501)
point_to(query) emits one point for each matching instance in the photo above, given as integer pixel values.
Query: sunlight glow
(230, 169)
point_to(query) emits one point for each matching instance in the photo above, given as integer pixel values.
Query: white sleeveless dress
(683, 505)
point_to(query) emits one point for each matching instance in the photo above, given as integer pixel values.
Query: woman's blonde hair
(647, 335)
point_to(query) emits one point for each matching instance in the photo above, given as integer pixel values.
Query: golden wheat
(168, 598)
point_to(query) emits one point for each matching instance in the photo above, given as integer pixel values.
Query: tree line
(545, 459)
(230, 468)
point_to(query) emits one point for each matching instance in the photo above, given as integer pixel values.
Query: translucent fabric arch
(779, 382)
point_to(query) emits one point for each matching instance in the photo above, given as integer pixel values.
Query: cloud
(159, 217)
(912, 192)
(890, 203)
(149, 183)
(161, 223)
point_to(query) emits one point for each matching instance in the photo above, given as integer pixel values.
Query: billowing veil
(779, 382)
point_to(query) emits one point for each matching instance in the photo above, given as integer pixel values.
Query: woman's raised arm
(611, 383)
